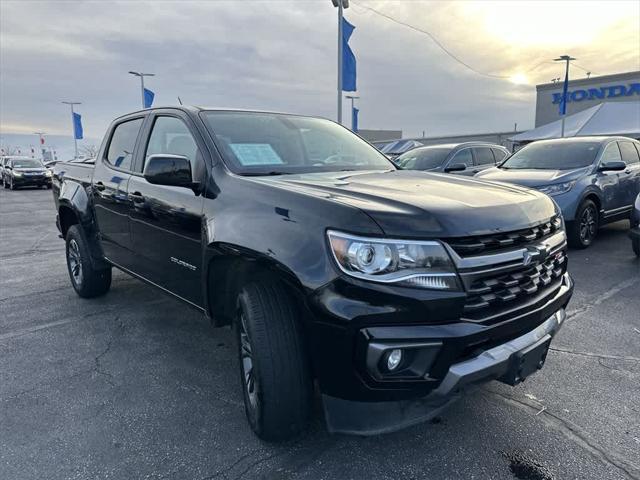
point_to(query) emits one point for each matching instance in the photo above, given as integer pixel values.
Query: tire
(274, 370)
(584, 228)
(635, 243)
(4, 183)
(87, 281)
(11, 186)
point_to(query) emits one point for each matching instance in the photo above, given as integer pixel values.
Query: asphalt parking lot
(136, 385)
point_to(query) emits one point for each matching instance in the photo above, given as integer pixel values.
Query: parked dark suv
(466, 158)
(391, 290)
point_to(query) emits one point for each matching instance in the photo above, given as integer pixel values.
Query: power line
(446, 50)
(435, 40)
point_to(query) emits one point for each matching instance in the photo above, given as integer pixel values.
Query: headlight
(48, 173)
(400, 262)
(557, 188)
(16, 174)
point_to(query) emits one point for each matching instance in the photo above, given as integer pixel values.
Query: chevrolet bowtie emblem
(535, 254)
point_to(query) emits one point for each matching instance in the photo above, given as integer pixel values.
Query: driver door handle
(136, 197)
(99, 186)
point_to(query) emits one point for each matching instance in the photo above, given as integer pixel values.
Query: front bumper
(372, 418)
(31, 180)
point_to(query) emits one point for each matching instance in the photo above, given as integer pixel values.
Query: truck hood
(419, 204)
(532, 178)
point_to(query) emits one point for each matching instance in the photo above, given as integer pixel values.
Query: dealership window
(464, 157)
(629, 153)
(611, 153)
(123, 141)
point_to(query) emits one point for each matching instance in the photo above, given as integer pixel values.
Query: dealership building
(585, 93)
(604, 105)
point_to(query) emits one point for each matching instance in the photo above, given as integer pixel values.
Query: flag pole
(340, 41)
(142, 75)
(73, 125)
(565, 87)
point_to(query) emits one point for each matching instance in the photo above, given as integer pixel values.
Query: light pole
(565, 87)
(41, 137)
(352, 98)
(142, 75)
(341, 4)
(73, 125)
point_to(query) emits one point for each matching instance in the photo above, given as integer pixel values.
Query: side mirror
(169, 170)
(615, 166)
(456, 167)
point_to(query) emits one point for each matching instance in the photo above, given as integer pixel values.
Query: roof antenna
(179, 101)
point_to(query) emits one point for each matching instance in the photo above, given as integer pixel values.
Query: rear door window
(483, 156)
(122, 144)
(629, 153)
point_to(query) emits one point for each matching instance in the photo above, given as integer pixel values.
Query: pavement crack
(603, 297)
(573, 433)
(595, 355)
(99, 369)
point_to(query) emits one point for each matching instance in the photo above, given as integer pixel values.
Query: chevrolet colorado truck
(390, 292)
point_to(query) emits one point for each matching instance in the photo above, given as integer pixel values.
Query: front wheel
(87, 280)
(276, 378)
(584, 228)
(635, 243)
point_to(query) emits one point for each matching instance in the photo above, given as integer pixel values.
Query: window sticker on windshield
(255, 154)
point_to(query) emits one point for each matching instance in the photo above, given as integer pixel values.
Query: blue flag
(348, 59)
(565, 88)
(148, 98)
(77, 126)
(354, 119)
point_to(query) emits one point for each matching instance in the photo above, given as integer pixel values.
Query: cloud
(280, 55)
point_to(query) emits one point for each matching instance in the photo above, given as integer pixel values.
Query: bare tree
(89, 151)
(10, 150)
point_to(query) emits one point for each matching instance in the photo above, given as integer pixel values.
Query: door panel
(110, 185)
(166, 221)
(630, 178)
(609, 182)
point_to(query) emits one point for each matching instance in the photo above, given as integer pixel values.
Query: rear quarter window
(123, 141)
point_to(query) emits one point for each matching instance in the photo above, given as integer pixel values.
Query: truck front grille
(509, 273)
(491, 243)
(506, 289)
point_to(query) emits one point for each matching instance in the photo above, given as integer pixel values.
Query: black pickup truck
(391, 291)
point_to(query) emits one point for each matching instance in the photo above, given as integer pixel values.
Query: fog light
(394, 359)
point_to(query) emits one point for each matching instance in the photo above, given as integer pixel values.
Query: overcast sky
(281, 55)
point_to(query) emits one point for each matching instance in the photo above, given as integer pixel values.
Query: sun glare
(519, 79)
(551, 23)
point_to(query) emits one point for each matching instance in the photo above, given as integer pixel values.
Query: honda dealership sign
(584, 93)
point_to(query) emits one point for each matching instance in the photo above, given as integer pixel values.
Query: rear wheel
(276, 379)
(584, 228)
(87, 281)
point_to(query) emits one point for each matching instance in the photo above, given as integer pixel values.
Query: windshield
(271, 144)
(26, 163)
(553, 156)
(422, 158)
